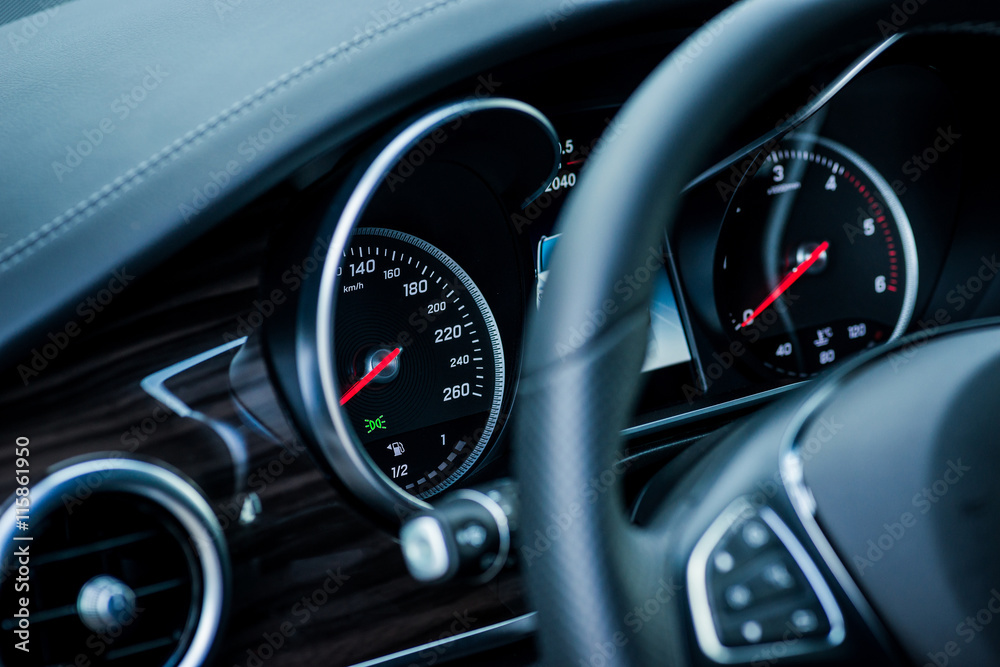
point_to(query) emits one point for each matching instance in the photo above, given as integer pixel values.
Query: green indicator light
(375, 424)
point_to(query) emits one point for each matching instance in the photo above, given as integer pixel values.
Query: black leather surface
(612, 225)
(203, 78)
(905, 489)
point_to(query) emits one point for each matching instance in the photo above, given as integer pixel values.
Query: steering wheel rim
(585, 345)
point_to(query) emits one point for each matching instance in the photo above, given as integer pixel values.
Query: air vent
(128, 568)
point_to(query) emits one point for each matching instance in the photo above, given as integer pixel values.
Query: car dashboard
(342, 353)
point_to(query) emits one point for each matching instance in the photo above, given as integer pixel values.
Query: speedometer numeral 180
(413, 315)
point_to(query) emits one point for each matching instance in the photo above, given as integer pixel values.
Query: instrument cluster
(815, 238)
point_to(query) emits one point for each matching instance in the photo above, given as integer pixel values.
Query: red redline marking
(360, 384)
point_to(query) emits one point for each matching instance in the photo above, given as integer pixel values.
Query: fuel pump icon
(397, 448)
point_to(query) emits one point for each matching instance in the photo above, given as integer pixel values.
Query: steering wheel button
(738, 597)
(752, 587)
(755, 534)
(752, 632)
(724, 562)
(778, 576)
(804, 620)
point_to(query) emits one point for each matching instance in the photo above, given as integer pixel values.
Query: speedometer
(419, 360)
(816, 259)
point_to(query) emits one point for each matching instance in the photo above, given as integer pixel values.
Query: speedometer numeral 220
(448, 333)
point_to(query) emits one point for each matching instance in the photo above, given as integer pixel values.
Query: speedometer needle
(786, 282)
(360, 384)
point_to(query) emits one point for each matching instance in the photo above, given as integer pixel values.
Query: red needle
(360, 384)
(787, 282)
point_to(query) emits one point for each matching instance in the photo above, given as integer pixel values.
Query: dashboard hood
(131, 130)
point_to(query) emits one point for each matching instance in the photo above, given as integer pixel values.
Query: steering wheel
(856, 522)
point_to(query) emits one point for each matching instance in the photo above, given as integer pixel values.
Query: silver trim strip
(728, 406)
(701, 610)
(502, 634)
(171, 492)
(347, 457)
(804, 503)
(804, 113)
(155, 385)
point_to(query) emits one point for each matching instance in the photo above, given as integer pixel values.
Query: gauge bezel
(314, 359)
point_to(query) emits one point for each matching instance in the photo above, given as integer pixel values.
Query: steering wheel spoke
(757, 586)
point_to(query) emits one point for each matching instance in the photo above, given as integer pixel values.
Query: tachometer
(419, 360)
(816, 259)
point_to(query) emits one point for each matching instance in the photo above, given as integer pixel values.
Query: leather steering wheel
(872, 493)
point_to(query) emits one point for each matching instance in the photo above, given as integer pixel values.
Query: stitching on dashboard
(50, 231)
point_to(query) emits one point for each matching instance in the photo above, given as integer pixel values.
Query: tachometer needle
(360, 384)
(787, 282)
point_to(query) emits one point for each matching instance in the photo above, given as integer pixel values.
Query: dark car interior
(557, 332)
